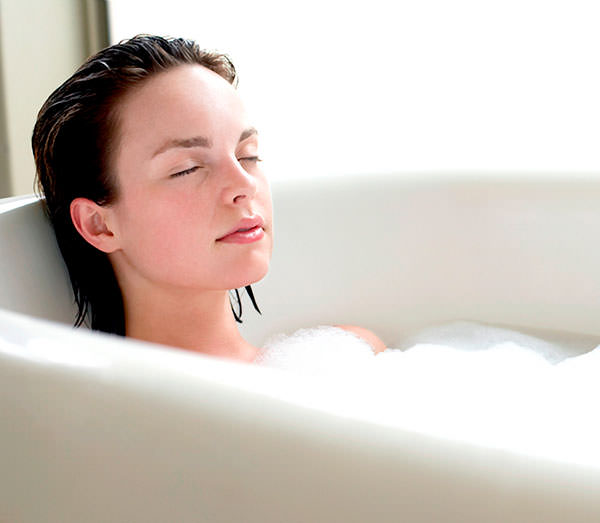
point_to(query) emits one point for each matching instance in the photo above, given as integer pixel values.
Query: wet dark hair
(73, 141)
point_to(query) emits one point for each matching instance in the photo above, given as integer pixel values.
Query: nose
(240, 185)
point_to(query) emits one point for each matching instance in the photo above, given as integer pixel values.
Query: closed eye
(186, 171)
(252, 159)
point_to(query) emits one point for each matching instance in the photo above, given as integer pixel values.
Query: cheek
(161, 236)
(170, 237)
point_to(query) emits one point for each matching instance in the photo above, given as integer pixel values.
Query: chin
(251, 276)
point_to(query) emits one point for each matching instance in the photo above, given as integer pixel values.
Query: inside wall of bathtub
(349, 87)
(35, 279)
(397, 254)
(393, 254)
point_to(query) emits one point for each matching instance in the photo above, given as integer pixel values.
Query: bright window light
(362, 87)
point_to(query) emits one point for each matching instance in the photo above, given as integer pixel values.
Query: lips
(246, 224)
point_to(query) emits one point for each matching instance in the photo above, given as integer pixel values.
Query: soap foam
(507, 390)
(320, 351)
(472, 336)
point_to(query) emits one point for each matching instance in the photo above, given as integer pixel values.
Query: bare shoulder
(367, 335)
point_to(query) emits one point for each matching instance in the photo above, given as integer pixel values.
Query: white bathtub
(98, 428)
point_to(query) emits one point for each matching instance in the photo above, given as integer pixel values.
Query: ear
(92, 222)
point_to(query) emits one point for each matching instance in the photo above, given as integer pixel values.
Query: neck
(200, 322)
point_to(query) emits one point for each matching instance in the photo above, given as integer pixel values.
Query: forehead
(183, 101)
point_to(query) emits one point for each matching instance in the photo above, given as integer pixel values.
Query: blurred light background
(397, 87)
(343, 86)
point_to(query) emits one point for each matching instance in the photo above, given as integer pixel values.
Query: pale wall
(41, 44)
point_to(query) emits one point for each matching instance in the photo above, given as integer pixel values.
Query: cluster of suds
(495, 387)
(320, 351)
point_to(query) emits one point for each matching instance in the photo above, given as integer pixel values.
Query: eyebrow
(197, 141)
(247, 133)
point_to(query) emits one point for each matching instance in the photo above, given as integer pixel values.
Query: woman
(150, 168)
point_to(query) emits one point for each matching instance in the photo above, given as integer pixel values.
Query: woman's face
(187, 173)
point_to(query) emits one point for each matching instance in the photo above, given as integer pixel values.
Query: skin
(367, 335)
(175, 200)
